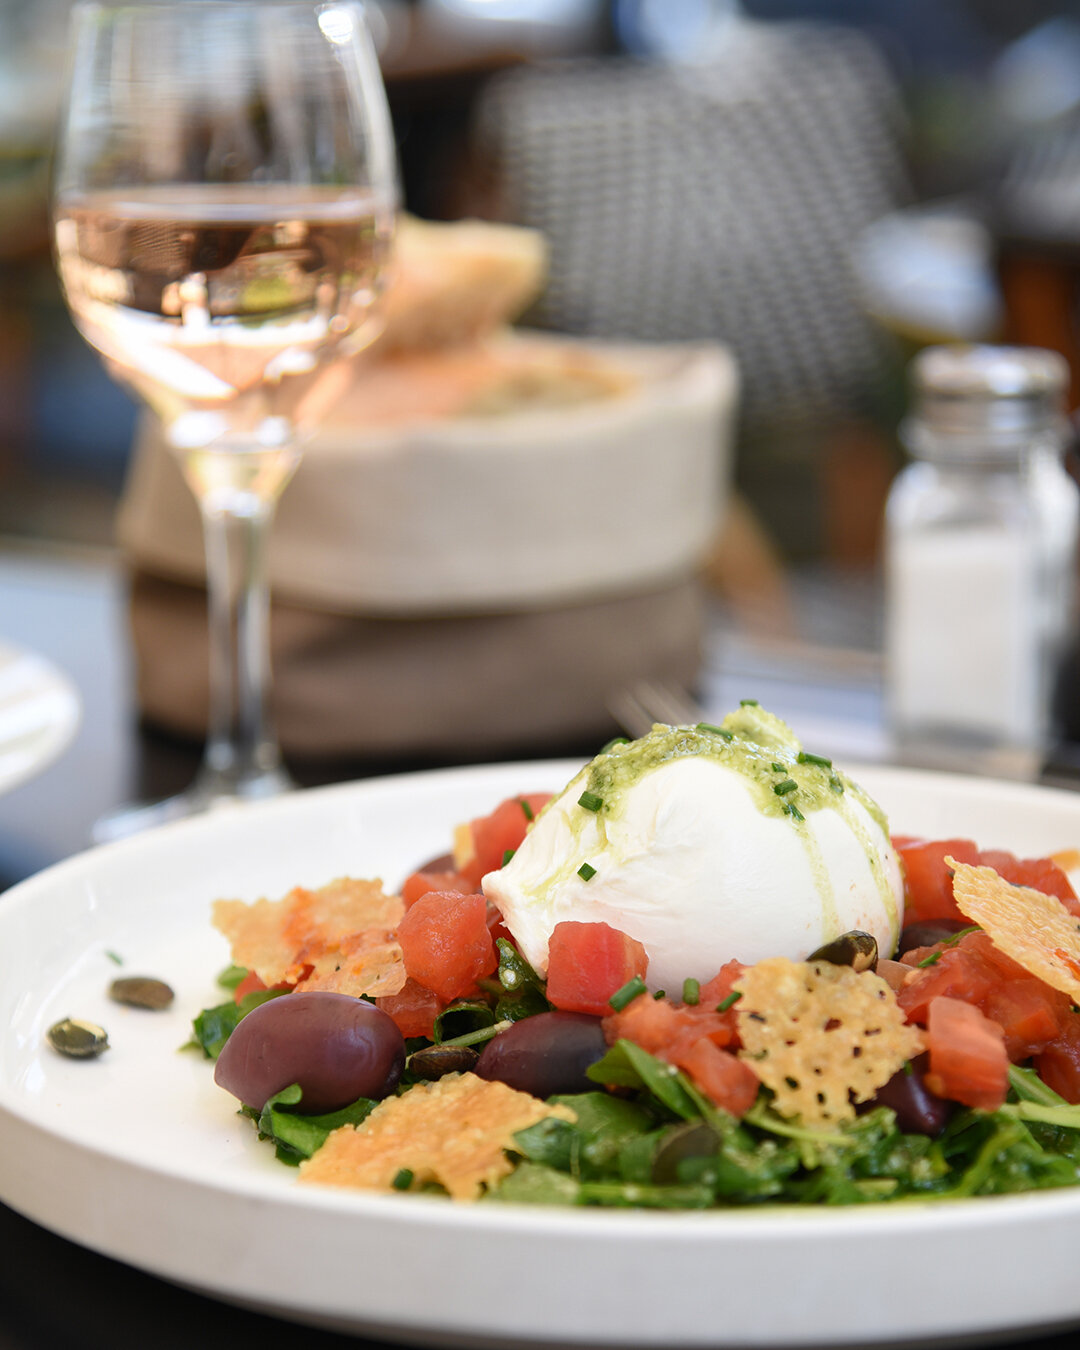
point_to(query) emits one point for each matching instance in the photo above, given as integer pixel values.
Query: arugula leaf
(462, 1017)
(213, 1026)
(627, 1065)
(296, 1136)
(231, 976)
(523, 990)
(532, 1184)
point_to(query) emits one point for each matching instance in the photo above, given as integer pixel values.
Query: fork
(637, 707)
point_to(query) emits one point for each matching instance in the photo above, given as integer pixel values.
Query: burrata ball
(706, 844)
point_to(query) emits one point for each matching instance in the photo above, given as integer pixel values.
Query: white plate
(139, 1156)
(39, 714)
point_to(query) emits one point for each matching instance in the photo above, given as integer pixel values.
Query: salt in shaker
(980, 560)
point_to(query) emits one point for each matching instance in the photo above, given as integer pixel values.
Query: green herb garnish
(529, 813)
(805, 757)
(730, 1001)
(507, 855)
(788, 785)
(586, 871)
(629, 991)
(590, 801)
(691, 992)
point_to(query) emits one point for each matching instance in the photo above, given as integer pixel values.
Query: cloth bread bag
(491, 535)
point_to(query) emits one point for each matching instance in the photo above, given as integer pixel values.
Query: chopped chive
(909, 1068)
(530, 814)
(691, 992)
(118, 960)
(806, 758)
(835, 783)
(630, 991)
(615, 740)
(793, 811)
(586, 871)
(715, 730)
(590, 801)
(403, 1179)
(935, 957)
(660, 993)
(730, 1001)
(507, 855)
(788, 785)
(749, 703)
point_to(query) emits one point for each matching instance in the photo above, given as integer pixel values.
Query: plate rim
(630, 1228)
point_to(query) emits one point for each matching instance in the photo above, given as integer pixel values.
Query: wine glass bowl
(223, 208)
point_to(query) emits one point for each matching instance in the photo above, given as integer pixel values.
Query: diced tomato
(721, 985)
(500, 833)
(251, 983)
(1059, 1064)
(959, 973)
(445, 943)
(496, 927)
(421, 883)
(724, 1078)
(1041, 874)
(1030, 1013)
(658, 1026)
(927, 879)
(414, 1009)
(587, 963)
(968, 1063)
(248, 985)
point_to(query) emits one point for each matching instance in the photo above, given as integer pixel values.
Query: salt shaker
(980, 559)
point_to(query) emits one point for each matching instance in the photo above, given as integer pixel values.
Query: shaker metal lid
(979, 400)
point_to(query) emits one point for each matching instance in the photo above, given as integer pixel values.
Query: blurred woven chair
(718, 200)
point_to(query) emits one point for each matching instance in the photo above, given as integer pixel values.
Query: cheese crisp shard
(454, 1131)
(822, 1037)
(1036, 930)
(342, 932)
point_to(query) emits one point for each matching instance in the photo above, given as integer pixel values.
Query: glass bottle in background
(980, 560)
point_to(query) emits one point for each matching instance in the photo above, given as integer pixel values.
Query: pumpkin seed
(435, 1060)
(856, 949)
(140, 991)
(77, 1038)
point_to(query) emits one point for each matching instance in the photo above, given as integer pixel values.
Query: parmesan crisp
(344, 931)
(1036, 930)
(821, 1037)
(454, 1131)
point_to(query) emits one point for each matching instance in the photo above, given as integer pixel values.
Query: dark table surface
(70, 609)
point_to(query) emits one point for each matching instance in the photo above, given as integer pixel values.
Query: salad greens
(668, 1147)
(655, 1141)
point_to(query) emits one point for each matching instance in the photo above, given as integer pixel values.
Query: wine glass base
(209, 792)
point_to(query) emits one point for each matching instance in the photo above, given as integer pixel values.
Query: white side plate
(39, 715)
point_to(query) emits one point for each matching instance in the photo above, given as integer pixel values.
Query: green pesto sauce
(765, 752)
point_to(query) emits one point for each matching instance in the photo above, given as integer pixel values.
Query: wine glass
(224, 197)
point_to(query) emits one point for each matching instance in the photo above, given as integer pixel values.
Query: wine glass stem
(242, 757)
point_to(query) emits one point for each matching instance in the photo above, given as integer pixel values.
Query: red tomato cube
(968, 1062)
(501, 832)
(1030, 1013)
(445, 943)
(724, 1078)
(927, 878)
(1059, 1064)
(422, 883)
(414, 1009)
(587, 963)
